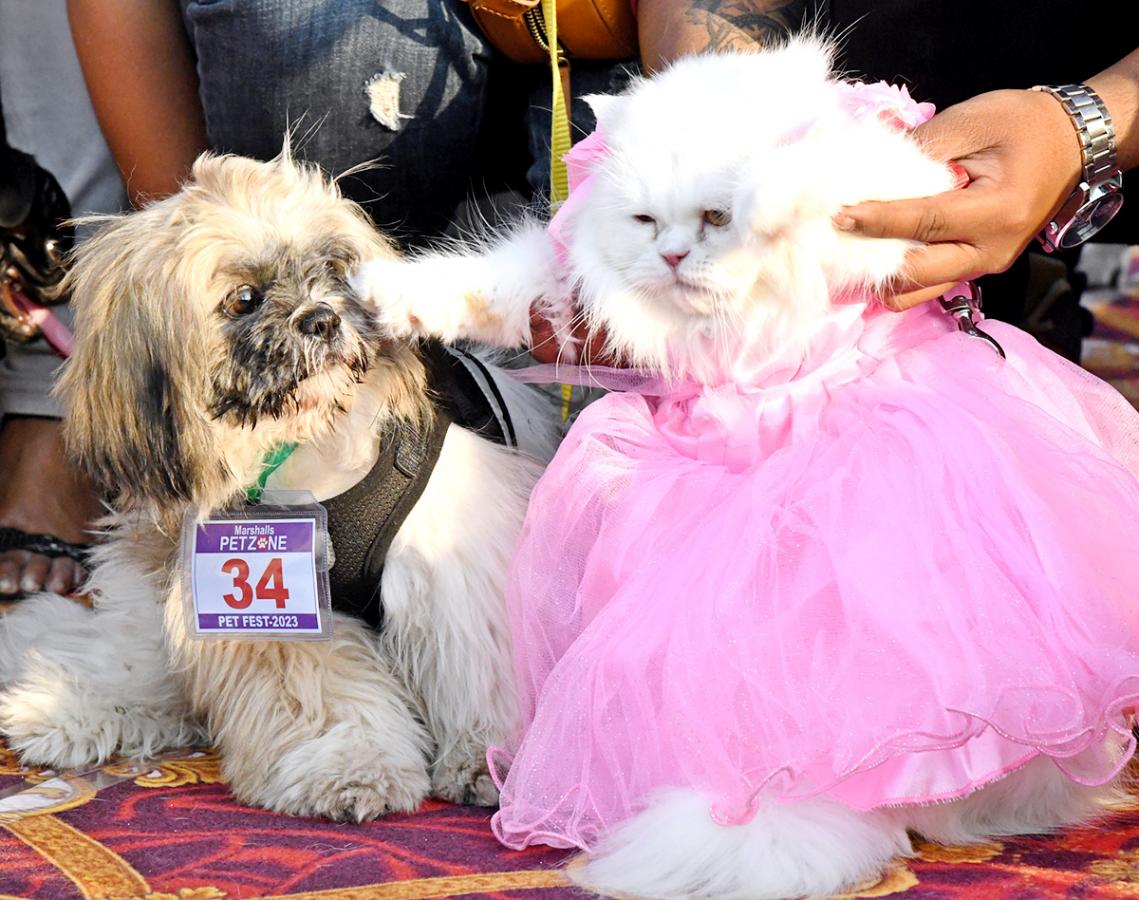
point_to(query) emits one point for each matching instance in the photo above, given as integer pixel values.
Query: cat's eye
(717, 217)
(645, 219)
(242, 300)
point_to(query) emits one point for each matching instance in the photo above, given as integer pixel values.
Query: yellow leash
(559, 139)
(559, 126)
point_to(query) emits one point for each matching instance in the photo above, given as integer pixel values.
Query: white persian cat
(705, 240)
(699, 238)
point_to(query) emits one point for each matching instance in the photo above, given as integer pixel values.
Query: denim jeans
(337, 73)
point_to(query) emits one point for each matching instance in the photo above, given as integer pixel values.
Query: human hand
(1023, 159)
(548, 345)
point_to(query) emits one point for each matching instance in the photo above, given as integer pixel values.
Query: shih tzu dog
(211, 327)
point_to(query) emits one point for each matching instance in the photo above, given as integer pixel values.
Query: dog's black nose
(320, 321)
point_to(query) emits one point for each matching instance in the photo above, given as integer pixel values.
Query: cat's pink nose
(673, 259)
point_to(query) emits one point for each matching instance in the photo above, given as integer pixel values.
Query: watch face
(1090, 218)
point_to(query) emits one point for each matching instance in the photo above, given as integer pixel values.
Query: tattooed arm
(673, 28)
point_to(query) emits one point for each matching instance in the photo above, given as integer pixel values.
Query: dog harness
(363, 521)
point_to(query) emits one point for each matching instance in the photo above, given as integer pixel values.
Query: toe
(33, 575)
(11, 565)
(64, 575)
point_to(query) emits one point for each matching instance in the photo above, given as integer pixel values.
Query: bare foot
(41, 493)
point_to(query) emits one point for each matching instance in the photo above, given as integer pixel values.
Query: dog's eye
(242, 300)
(717, 217)
(645, 219)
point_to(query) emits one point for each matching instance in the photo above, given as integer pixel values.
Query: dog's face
(291, 336)
(219, 316)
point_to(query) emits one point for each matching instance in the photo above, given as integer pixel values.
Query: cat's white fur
(763, 138)
(816, 848)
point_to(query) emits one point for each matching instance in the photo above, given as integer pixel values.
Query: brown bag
(587, 29)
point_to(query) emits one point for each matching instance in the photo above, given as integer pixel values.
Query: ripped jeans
(410, 84)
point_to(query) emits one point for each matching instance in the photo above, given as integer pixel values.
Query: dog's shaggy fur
(211, 327)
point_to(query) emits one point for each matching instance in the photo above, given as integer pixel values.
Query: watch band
(1093, 127)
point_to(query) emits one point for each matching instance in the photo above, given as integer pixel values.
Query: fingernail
(891, 303)
(28, 584)
(56, 586)
(7, 586)
(844, 222)
(960, 176)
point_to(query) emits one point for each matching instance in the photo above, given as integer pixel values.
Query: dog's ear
(134, 391)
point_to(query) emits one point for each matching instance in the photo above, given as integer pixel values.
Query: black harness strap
(453, 385)
(363, 521)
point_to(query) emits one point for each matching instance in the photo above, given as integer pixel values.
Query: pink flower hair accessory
(580, 163)
(891, 103)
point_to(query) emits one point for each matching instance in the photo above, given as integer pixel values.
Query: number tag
(258, 573)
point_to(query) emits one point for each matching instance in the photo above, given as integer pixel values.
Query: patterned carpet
(173, 833)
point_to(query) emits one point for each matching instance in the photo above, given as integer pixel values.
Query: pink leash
(57, 334)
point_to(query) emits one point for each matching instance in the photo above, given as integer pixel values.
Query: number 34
(271, 585)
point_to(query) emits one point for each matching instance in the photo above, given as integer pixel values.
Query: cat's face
(673, 235)
(708, 223)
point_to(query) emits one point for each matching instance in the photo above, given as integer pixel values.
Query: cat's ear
(606, 107)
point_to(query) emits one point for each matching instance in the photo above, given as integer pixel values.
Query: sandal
(41, 545)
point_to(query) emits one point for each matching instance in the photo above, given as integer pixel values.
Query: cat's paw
(389, 287)
(421, 298)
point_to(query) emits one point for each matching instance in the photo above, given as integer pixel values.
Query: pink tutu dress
(888, 571)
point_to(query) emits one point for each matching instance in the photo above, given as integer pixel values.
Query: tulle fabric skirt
(889, 582)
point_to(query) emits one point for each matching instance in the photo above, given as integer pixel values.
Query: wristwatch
(1099, 195)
